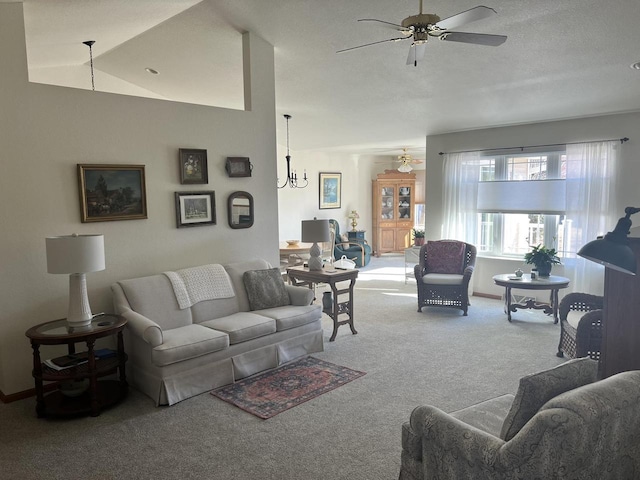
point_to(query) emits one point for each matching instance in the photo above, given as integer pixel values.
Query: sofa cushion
(445, 256)
(242, 326)
(538, 388)
(187, 342)
(265, 289)
(293, 316)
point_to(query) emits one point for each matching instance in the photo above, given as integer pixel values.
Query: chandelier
(292, 176)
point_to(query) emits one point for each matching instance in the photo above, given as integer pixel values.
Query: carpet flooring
(437, 357)
(267, 394)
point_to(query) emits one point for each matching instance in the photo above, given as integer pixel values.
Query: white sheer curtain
(591, 209)
(461, 177)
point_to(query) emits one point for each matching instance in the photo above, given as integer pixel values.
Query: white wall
(578, 130)
(46, 130)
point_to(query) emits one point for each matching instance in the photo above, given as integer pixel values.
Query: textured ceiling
(563, 59)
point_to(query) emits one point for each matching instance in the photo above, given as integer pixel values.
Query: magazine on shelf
(75, 359)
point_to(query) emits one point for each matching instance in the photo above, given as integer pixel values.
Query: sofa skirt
(173, 383)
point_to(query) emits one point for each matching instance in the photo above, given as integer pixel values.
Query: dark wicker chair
(442, 289)
(586, 340)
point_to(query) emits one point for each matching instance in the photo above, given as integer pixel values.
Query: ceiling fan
(406, 160)
(420, 27)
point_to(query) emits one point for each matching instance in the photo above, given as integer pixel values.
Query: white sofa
(176, 353)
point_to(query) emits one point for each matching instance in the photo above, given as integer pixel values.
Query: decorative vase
(544, 269)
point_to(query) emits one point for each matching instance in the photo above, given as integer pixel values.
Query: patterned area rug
(270, 393)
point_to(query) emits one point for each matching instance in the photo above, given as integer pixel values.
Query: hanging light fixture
(89, 43)
(292, 176)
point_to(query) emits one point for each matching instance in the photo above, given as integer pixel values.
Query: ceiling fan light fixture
(405, 168)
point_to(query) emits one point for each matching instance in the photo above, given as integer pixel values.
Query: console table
(300, 276)
(99, 394)
(552, 282)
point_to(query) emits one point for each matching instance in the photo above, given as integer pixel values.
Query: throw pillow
(344, 237)
(265, 289)
(445, 257)
(538, 388)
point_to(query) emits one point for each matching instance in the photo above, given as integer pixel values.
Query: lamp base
(79, 314)
(315, 259)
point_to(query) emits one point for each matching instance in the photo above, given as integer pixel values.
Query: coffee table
(552, 282)
(303, 276)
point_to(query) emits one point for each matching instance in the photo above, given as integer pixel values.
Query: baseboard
(487, 295)
(14, 397)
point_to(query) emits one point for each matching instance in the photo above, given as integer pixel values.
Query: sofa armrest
(299, 295)
(440, 432)
(143, 327)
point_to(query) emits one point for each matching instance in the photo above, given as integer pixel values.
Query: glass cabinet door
(387, 197)
(405, 202)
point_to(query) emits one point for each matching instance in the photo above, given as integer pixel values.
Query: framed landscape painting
(111, 192)
(330, 190)
(195, 209)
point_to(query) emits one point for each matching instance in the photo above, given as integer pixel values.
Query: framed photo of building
(111, 192)
(330, 190)
(193, 166)
(195, 209)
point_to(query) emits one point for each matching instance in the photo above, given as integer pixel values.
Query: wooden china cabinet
(392, 216)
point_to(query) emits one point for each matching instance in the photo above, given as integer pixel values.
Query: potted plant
(543, 258)
(418, 237)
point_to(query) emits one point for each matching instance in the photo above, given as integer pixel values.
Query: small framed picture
(193, 166)
(111, 192)
(330, 190)
(195, 209)
(238, 167)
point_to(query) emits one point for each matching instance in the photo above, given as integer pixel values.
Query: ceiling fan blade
(476, 38)
(395, 26)
(416, 52)
(373, 43)
(468, 16)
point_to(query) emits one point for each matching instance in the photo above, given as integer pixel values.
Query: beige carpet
(437, 357)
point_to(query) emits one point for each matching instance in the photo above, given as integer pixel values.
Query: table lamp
(314, 231)
(76, 255)
(354, 219)
(613, 250)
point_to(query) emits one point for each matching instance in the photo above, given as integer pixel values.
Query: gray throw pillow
(538, 388)
(265, 289)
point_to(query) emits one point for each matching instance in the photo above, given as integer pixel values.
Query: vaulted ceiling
(562, 59)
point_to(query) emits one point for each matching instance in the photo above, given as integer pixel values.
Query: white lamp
(314, 231)
(76, 255)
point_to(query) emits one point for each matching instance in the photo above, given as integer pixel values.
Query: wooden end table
(100, 394)
(301, 276)
(552, 282)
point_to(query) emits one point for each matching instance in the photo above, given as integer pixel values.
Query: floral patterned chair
(561, 424)
(443, 274)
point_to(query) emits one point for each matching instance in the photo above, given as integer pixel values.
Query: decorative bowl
(293, 242)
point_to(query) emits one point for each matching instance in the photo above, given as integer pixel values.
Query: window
(513, 234)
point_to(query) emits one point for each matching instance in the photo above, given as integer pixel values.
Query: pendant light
(89, 43)
(292, 176)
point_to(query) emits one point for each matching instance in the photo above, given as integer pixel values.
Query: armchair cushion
(442, 279)
(265, 288)
(538, 388)
(445, 257)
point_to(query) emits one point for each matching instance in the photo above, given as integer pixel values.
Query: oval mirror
(240, 210)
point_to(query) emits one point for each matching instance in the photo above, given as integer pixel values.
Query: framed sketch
(195, 209)
(330, 190)
(238, 167)
(193, 166)
(111, 192)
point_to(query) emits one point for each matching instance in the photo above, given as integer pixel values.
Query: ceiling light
(635, 66)
(152, 71)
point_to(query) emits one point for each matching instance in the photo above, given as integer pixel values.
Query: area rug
(270, 393)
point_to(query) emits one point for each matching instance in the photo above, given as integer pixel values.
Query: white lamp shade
(526, 196)
(75, 254)
(315, 231)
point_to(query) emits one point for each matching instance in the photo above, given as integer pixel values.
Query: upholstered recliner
(443, 274)
(562, 424)
(580, 325)
(359, 252)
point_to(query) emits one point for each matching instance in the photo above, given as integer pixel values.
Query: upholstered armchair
(580, 325)
(443, 274)
(359, 252)
(561, 424)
